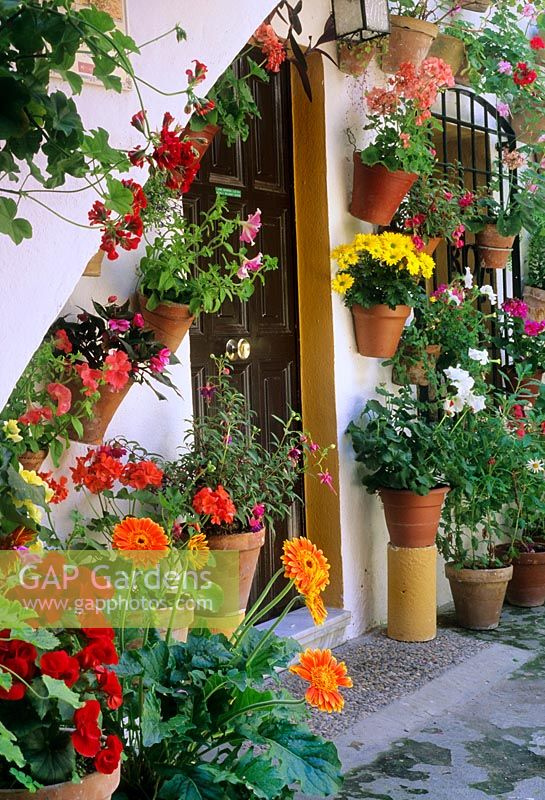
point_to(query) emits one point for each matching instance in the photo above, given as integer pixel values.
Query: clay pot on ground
(354, 58)
(478, 595)
(410, 40)
(378, 329)
(377, 193)
(494, 250)
(527, 586)
(236, 587)
(529, 387)
(535, 300)
(416, 373)
(93, 787)
(104, 409)
(31, 460)
(412, 519)
(451, 50)
(169, 322)
(201, 140)
(528, 126)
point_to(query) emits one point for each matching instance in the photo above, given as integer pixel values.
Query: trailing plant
(430, 10)
(521, 338)
(401, 120)
(380, 268)
(196, 263)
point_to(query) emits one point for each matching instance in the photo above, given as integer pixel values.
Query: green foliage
(522, 340)
(536, 260)
(432, 208)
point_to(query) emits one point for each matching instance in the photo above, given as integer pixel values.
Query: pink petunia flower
(250, 228)
(118, 368)
(62, 396)
(120, 325)
(250, 265)
(160, 362)
(89, 378)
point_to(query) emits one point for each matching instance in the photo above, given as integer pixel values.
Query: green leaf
(259, 774)
(64, 114)
(15, 227)
(60, 691)
(151, 720)
(205, 782)
(97, 19)
(49, 754)
(120, 198)
(8, 749)
(41, 638)
(14, 615)
(96, 146)
(6, 679)
(25, 780)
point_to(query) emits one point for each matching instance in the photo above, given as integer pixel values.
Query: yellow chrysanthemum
(12, 430)
(427, 265)
(342, 282)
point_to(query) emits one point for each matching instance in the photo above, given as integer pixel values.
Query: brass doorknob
(238, 350)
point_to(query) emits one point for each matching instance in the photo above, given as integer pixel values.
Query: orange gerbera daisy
(317, 609)
(199, 550)
(139, 534)
(306, 565)
(325, 674)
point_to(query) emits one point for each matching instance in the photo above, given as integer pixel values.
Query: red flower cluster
(537, 43)
(59, 487)
(523, 75)
(87, 739)
(36, 415)
(17, 657)
(216, 504)
(99, 469)
(58, 664)
(125, 231)
(271, 46)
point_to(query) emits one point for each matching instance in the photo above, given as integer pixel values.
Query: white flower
(535, 465)
(478, 355)
(453, 297)
(489, 292)
(454, 405)
(468, 279)
(461, 379)
(476, 402)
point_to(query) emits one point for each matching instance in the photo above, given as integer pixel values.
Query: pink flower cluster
(420, 85)
(271, 46)
(515, 308)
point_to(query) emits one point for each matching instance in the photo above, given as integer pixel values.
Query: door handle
(238, 350)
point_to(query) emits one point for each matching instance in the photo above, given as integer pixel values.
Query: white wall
(42, 276)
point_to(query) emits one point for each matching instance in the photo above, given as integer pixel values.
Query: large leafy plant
(536, 259)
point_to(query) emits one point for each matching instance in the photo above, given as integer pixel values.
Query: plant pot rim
(397, 311)
(411, 23)
(246, 540)
(379, 166)
(488, 575)
(437, 490)
(97, 777)
(145, 297)
(524, 556)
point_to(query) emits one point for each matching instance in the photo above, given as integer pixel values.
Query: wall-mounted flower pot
(412, 519)
(529, 386)
(431, 246)
(478, 595)
(416, 373)
(377, 193)
(33, 461)
(528, 126)
(535, 300)
(201, 140)
(480, 6)
(104, 409)
(527, 586)
(494, 250)
(378, 329)
(410, 40)
(354, 58)
(93, 787)
(170, 322)
(451, 50)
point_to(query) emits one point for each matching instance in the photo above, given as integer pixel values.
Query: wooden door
(258, 174)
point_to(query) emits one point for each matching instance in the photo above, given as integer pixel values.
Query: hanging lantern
(361, 20)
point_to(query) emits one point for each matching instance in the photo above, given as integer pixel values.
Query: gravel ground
(384, 670)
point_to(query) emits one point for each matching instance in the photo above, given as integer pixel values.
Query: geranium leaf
(9, 749)
(60, 691)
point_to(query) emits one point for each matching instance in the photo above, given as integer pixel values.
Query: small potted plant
(378, 280)
(193, 268)
(413, 30)
(523, 342)
(534, 289)
(402, 148)
(433, 210)
(404, 457)
(104, 354)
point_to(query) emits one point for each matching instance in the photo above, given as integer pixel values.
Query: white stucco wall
(43, 275)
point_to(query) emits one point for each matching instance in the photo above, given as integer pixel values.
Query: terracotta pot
(93, 787)
(410, 40)
(527, 586)
(169, 321)
(377, 193)
(178, 634)
(432, 245)
(494, 250)
(104, 409)
(416, 373)
(201, 140)
(478, 595)
(33, 461)
(528, 126)
(249, 547)
(354, 58)
(480, 6)
(412, 519)
(535, 300)
(529, 387)
(451, 50)
(378, 329)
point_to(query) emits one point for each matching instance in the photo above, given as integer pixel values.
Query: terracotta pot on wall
(416, 374)
(432, 245)
(412, 519)
(104, 409)
(354, 58)
(530, 386)
(170, 322)
(494, 250)
(528, 126)
(410, 40)
(377, 193)
(480, 6)
(33, 461)
(93, 787)
(378, 329)
(478, 595)
(527, 586)
(535, 300)
(451, 50)
(201, 140)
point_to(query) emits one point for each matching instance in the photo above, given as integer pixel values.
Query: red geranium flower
(142, 475)
(523, 75)
(89, 377)
(59, 487)
(62, 342)
(217, 504)
(537, 43)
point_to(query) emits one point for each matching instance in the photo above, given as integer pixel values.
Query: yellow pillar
(412, 593)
